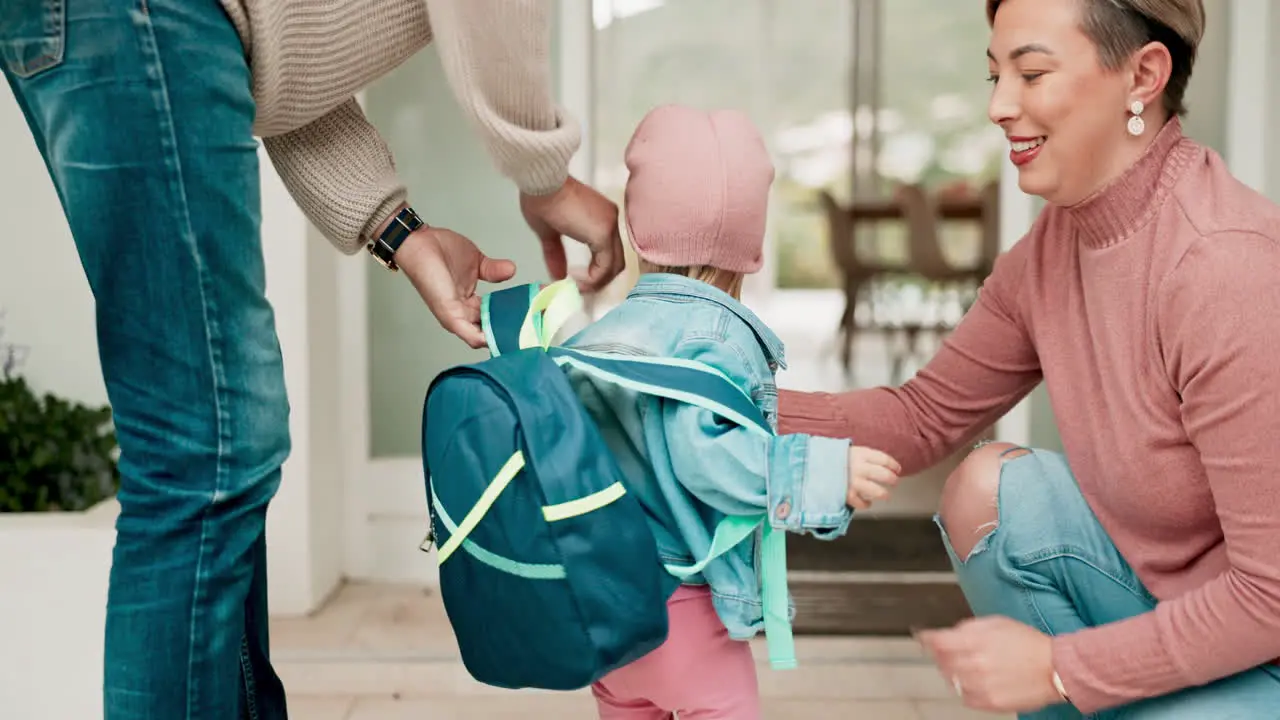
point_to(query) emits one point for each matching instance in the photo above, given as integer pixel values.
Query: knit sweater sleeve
(984, 368)
(496, 56)
(1219, 331)
(339, 170)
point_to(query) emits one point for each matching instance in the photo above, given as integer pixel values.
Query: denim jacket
(687, 467)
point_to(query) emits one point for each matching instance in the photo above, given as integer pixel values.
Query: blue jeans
(143, 112)
(1051, 565)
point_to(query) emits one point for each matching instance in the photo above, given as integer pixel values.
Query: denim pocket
(32, 35)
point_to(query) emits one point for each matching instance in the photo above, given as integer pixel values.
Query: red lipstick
(1024, 149)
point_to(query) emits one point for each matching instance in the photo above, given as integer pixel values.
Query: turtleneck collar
(1125, 204)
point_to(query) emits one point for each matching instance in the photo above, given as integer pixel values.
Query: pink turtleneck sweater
(1152, 313)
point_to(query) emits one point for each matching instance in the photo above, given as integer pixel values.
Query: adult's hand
(445, 268)
(585, 215)
(997, 664)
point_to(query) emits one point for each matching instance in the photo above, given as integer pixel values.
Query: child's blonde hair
(730, 282)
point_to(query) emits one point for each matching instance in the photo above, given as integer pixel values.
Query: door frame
(377, 545)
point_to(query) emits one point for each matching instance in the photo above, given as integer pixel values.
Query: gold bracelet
(1057, 685)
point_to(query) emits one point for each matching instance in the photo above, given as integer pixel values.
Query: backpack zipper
(430, 539)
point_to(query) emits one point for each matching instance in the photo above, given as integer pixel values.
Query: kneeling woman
(1139, 574)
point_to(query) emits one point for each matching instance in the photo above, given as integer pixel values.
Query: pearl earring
(1136, 124)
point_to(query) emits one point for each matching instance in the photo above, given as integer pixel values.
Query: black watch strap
(384, 247)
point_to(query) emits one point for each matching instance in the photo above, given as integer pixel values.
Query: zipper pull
(430, 539)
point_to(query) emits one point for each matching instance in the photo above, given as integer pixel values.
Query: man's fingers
(600, 272)
(607, 262)
(619, 257)
(496, 271)
(554, 255)
(468, 332)
(857, 502)
(471, 310)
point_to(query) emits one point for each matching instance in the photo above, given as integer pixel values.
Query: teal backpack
(549, 572)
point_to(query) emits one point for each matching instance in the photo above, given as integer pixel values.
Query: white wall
(304, 524)
(43, 292)
(1270, 68)
(1247, 96)
(48, 307)
(1207, 93)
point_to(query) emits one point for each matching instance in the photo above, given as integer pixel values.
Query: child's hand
(871, 474)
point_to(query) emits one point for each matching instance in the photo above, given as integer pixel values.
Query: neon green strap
(552, 308)
(530, 571)
(487, 498)
(551, 513)
(731, 531)
(486, 325)
(583, 505)
(775, 600)
(773, 581)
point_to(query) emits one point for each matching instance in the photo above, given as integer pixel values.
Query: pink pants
(698, 672)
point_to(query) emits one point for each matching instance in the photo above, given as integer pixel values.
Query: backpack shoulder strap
(502, 315)
(682, 380)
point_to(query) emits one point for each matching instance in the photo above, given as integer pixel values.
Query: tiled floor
(387, 653)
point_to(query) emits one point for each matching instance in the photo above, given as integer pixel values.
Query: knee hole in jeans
(970, 497)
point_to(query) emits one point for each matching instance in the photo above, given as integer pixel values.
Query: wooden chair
(923, 213)
(856, 273)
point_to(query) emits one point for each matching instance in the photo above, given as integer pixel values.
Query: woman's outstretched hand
(446, 268)
(995, 663)
(582, 213)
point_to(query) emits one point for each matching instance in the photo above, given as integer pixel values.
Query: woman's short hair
(1120, 27)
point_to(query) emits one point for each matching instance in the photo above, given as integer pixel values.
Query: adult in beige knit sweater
(309, 59)
(146, 113)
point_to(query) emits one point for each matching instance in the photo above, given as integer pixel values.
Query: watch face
(383, 255)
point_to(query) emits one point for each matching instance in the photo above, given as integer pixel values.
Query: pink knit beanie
(699, 189)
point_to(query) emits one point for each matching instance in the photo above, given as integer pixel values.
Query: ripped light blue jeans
(143, 113)
(1050, 564)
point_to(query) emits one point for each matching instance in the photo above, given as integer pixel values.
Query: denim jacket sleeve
(800, 480)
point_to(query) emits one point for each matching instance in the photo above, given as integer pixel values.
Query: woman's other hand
(445, 268)
(585, 215)
(871, 474)
(995, 663)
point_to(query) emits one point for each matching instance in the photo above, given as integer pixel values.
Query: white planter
(53, 608)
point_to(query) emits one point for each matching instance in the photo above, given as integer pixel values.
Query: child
(695, 212)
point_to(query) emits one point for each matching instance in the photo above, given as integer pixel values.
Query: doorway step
(887, 576)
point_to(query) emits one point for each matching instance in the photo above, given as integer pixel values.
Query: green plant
(54, 454)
